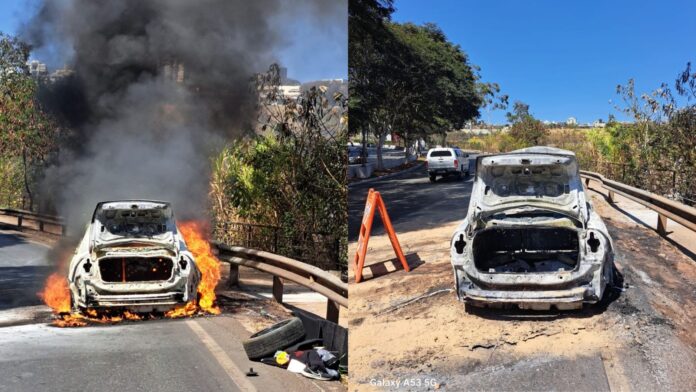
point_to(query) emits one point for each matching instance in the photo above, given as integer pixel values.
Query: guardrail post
(234, 275)
(611, 197)
(278, 289)
(41, 226)
(19, 221)
(587, 182)
(332, 309)
(662, 225)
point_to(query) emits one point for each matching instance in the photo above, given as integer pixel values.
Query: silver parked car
(445, 161)
(530, 237)
(132, 257)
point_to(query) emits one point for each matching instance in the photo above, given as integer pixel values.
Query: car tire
(73, 303)
(274, 338)
(74, 307)
(433, 178)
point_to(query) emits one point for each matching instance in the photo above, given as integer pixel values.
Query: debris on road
(412, 301)
(289, 346)
(277, 337)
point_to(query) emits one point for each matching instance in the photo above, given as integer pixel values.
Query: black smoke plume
(157, 85)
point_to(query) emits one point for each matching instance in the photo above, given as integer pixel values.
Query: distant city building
(290, 91)
(174, 71)
(37, 69)
(572, 121)
(333, 86)
(476, 131)
(599, 124)
(61, 73)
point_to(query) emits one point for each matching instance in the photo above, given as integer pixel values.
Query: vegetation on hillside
(27, 135)
(655, 151)
(291, 175)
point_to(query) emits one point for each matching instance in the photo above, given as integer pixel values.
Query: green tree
(27, 134)
(661, 137)
(369, 64)
(520, 110)
(526, 130)
(405, 79)
(443, 88)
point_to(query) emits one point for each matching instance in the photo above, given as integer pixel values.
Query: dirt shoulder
(639, 341)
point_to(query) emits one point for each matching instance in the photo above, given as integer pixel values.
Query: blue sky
(565, 58)
(326, 43)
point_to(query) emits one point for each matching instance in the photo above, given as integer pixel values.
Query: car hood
(542, 177)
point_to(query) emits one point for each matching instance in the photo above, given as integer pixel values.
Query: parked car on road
(531, 238)
(445, 161)
(132, 257)
(354, 155)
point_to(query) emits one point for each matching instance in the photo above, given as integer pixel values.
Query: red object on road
(374, 201)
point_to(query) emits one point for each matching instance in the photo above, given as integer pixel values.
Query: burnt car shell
(132, 257)
(531, 239)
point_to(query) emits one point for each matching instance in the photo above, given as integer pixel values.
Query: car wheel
(276, 337)
(433, 178)
(74, 308)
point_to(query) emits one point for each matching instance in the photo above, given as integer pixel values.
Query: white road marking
(298, 297)
(235, 374)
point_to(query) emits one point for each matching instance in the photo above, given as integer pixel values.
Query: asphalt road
(202, 354)
(412, 201)
(199, 354)
(24, 265)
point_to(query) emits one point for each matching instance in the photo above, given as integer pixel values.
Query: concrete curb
(390, 175)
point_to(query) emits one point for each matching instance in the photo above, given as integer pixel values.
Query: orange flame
(195, 235)
(70, 320)
(183, 311)
(56, 293)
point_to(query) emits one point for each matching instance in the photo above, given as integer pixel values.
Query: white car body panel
(157, 271)
(531, 238)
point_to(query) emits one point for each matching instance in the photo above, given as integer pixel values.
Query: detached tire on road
(278, 336)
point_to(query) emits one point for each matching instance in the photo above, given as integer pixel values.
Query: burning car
(132, 257)
(530, 237)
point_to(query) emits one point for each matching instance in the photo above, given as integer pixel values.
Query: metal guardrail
(41, 219)
(665, 208)
(317, 249)
(282, 267)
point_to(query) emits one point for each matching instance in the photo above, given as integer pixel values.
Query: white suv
(444, 161)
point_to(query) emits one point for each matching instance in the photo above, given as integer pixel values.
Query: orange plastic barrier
(374, 201)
